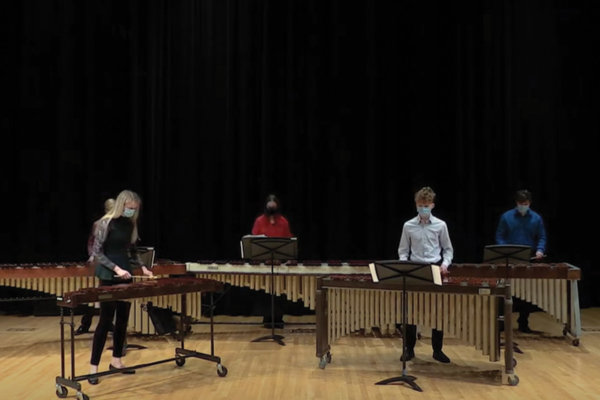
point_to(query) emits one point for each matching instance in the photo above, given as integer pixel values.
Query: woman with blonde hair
(88, 315)
(115, 237)
(109, 204)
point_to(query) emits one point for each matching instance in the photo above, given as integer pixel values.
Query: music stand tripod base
(398, 272)
(408, 379)
(275, 338)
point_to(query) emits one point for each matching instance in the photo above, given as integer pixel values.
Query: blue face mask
(128, 212)
(424, 212)
(522, 209)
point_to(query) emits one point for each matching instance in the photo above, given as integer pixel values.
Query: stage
(550, 366)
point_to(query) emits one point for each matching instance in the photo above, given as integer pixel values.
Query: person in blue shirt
(425, 238)
(523, 226)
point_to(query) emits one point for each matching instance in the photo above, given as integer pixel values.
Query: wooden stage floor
(549, 368)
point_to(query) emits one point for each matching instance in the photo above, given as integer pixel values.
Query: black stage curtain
(343, 109)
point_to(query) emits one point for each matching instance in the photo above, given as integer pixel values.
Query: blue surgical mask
(128, 212)
(424, 212)
(522, 209)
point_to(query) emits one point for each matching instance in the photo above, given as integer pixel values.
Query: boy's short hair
(522, 195)
(425, 195)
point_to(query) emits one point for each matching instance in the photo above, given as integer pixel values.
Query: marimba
(144, 289)
(59, 278)
(297, 280)
(53, 280)
(466, 308)
(552, 287)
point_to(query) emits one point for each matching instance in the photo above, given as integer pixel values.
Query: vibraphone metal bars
(145, 289)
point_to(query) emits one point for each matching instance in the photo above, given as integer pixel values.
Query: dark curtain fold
(343, 109)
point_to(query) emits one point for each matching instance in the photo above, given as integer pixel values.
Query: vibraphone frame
(181, 353)
(325, 331)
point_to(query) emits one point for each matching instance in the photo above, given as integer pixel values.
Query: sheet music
(436, 272)
(147, 255)
(242, 242)
(373, 273)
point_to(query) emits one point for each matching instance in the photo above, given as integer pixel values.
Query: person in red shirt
(271, 223)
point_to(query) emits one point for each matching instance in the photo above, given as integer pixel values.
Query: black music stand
(506, 254)
(270, 248)
(395, 271)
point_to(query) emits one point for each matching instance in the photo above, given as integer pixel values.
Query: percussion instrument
(56, 279)
(297, 280)
(148, 288)
(552, 287)
(466, 308)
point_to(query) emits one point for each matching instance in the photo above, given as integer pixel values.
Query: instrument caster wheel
(180, 361)
(325, 359)
(575, 342)
(82, 396)
(513, 380)
(61, 391)
(221, 370)
(322, 362)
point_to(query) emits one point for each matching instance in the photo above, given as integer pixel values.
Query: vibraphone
(552, 287)
(145, 289)
(54, 280)
(466, 308)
